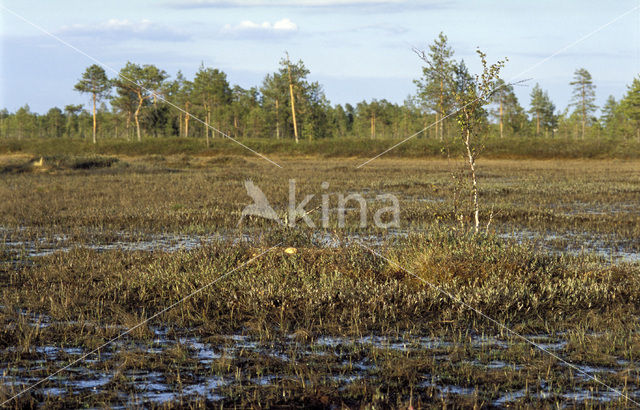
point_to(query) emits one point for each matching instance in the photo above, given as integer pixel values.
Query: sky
(356, 49)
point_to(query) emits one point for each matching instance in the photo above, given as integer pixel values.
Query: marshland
(228, 237)
(96, 244)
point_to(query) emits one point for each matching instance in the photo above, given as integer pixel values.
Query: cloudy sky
(357, 49)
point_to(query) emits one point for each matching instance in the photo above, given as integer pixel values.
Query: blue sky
(357, 49)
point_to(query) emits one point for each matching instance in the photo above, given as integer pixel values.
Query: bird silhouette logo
(260, 206)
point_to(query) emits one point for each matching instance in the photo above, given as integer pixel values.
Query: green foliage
(55, 123)
(630, 105)
(138, 86)
(94, 81)
(610, 112)
(584, 97)
(310, 103)
(145, 102)
(439, 77)
(508, 147)
(212, 92)
(509, 114)
(542, 110)
(473, 94)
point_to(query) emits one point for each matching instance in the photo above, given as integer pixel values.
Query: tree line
(143, 101)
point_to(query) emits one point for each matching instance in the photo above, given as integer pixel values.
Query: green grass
(513, 147)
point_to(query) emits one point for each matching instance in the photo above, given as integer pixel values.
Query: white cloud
(124, 29)
(245, 27)
(285, 24)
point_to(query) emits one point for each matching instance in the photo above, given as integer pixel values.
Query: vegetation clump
(335, 325)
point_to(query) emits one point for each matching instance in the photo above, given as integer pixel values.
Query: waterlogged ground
(218, 369)
(167, 203)
(87, 255)
(23, 246)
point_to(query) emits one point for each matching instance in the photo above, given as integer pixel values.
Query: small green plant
(471, 95)
(471, 99)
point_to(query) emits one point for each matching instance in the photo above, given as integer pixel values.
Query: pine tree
(25, 121)
(542, 109)
(508, 112)
(94, 81)
(72, 111)
(630, 105)
(179, 93)
(584, 96)
(242, 103)
(142, 83)
(434, 87)
(125, 102)
(274, 98)
(309, 102)
(54, 122)
(212, 91)
(612, 117)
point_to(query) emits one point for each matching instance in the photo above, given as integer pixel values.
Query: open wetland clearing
(134, 276)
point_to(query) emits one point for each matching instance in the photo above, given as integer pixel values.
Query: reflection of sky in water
(152, 387)
(610, 246)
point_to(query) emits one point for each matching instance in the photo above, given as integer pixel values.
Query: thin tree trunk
(501, 124)
(293, 113)
(135, 117)
(441, 125)
(235, 125)
(405, 127)
(584, 110)
(129, 126)
(373, 125)
(207, 126)
(94, 118)
(293, 104)
(186, 120)
(472, 167)
(537, 123)
(425, 122)
(277, 120)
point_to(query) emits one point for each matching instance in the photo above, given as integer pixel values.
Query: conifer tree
(94, 81)
(584, 96)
